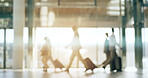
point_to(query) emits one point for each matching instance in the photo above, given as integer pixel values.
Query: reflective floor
(74, 73)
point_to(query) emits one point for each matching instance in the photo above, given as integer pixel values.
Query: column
(18, 25)
(123, 41)
(138, 24)
(30, 35)
(122, 33)
(4, 61)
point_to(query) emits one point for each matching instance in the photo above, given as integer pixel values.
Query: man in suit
(113, 55)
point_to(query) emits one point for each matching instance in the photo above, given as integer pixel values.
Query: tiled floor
(74, 73)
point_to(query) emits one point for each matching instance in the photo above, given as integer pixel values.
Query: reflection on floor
(74, 73)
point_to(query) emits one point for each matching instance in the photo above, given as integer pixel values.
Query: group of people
(109, 50)
(75, 45)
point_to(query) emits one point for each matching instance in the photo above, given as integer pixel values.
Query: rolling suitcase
(118, 63)
(89, 64)
(112, 65)
(58, 64)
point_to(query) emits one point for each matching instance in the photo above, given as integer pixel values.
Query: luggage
(118, 63)
(58, 64)
(89, 64)
(112, 65)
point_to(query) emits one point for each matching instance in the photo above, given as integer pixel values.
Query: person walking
(75, 45)
(112, 50)
(106, 49)
(46, 53)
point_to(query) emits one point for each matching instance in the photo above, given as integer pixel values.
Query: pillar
(138, 24)
(122, 33)
(18, 25)
(123, 41)
(4, 61)
(30, 15)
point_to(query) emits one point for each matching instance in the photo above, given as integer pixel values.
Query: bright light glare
(115, 13)
(44, 20)
(114, 9)
(117, 8)
(61, 37)
(6, 4)
(37, 3)
(51, 18)
(10, 35)
(44, 0)
(130, 22)
(44, 12)
(130, 69)
(130, 37)
(130, 56)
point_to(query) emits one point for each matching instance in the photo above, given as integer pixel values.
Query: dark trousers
(112, 56)
(113, 60)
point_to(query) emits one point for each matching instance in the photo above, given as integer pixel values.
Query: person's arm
(116, 42)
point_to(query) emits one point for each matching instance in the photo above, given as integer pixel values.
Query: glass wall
(92, 42)
(91, 39)
(145, 37)
(130, 49)
(9, 46)
(145, 47)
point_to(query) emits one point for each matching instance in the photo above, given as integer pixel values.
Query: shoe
(103, 67)
(112, 70)
(67, 70)
(86, 70)
(119, 70)
(45, 69)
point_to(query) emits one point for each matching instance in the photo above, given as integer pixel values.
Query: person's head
(106, 34)
(46, 38)
(74, 28)
(113, 30)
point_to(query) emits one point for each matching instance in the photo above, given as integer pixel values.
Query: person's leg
(81, 59)
(71, 60)
(111, 57)
(51, 59)
(107, 58)
(118, 63)
(43, 61)
(46, 58)
(112, 65)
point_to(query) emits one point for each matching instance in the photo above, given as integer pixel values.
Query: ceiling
(64, 13)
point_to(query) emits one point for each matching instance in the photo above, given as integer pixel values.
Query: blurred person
(106, 49)
(75, 45)
(46, 53)
(112, 50)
